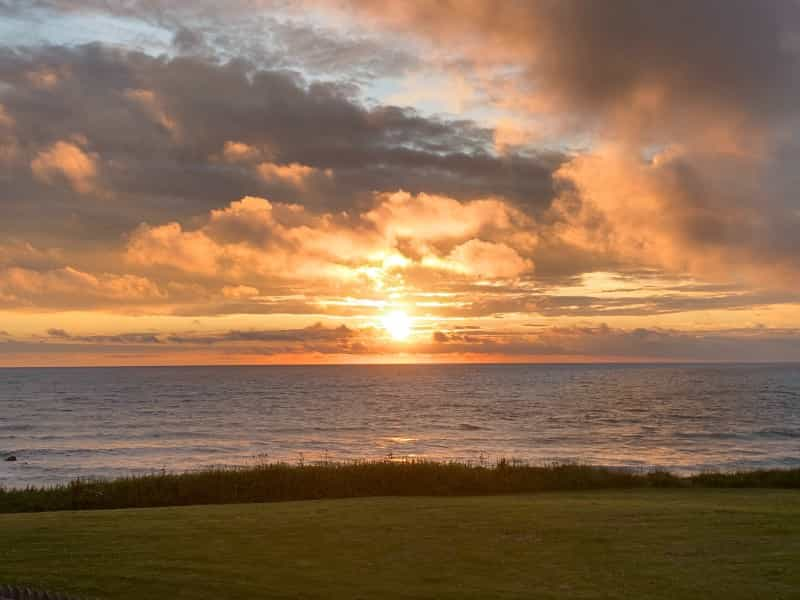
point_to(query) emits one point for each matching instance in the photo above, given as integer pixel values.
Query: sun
(397, 324)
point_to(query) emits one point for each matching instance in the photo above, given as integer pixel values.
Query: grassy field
(642, 543)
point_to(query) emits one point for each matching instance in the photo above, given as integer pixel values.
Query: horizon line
(415, 364)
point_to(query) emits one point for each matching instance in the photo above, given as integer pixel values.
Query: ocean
(64, 423)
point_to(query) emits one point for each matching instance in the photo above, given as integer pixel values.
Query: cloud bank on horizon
(264, 181)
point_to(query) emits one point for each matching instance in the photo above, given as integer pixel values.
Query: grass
(642, 543)
(276, 482)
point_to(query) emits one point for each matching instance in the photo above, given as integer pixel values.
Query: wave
(470, 427)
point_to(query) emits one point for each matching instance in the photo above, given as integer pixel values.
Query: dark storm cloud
(714, 59)
(314, 333)
(662, 70)
(312, 338)
(272, 34)
(443, 338)
(595, 57)
(154, 130)
(756, 344)
(188, 41)
(121, 338)
(315, 339)
(579, 342)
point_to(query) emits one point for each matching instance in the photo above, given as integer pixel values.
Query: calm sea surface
(67, 423)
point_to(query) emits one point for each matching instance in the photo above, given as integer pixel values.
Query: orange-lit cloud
(68, 286)
(240, 152)
(69, 161)
(522, 181)
(294, 173)
(6, 121)
(44, 78)
(152, 106)
(254, 238)
(488, 260)
(679, 211)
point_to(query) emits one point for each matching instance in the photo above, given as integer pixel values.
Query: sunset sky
(257, 181)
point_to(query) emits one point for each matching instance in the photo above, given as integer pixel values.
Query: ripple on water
(66, 423)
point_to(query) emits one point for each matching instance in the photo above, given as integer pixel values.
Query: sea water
(105, 422)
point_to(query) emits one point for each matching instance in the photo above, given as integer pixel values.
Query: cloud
(5, 119)
(269, 33)
(610, 343)
(314, 333)
(682, 211)
(624, 161)
(682, 112)
(68, 160)
(315, 338)
(170, 245)
(43, 78)
(152, 106)
(570, 343)
(187, 40)
(15, 252)
(120, 338)
(431, 217)
(723, 108)
(69, 287)
(179, 136)
(440, 337)
(240, 152)
(239, 292)
(294, 174)
(488, 260)
(661, 65)
(255, 240)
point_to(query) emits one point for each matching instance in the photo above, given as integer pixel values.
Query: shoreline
(277, 482)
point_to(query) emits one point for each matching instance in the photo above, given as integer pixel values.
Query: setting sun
(397, 324)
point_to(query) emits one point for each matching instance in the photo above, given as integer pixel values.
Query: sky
(352, 181)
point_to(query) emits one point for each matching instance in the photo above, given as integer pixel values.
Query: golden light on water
(397, 324)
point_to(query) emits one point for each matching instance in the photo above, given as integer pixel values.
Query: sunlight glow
(398, 325)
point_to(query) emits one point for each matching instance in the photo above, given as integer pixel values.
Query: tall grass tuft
(276, 482)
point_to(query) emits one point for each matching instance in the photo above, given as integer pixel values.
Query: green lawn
(649, 543)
